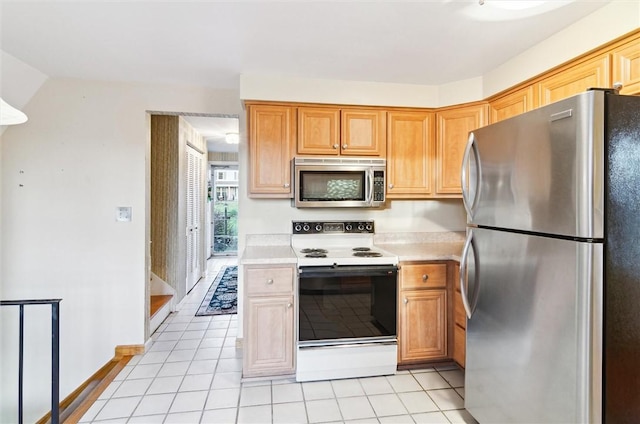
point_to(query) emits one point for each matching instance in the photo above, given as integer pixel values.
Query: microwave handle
(369, 186)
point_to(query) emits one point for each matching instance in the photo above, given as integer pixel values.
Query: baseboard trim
(129, 350)
(100, 379)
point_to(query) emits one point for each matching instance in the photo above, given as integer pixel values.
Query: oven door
(347, 304)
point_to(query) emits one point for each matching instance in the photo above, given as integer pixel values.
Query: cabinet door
(626, 67)
(272, 132)
(423, 329)
(454, 126)
(512, 104)
(269, 336)
(574, 80)
(363, 132)
(410, 154)
(318, 131)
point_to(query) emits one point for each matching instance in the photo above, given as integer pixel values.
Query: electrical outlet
(123, 213)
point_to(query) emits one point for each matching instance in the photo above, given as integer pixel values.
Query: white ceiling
(210, 43)
(214, 131)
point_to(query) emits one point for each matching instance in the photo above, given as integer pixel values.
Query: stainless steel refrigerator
(550, 273)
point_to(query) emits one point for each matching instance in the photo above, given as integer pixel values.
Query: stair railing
(55, 354)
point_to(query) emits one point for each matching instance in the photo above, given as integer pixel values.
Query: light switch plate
(123, 213)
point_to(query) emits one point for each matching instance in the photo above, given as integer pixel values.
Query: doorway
(224, 210)
(181, 148)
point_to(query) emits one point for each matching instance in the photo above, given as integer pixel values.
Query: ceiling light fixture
(514, 4)
(510, 10)
(9, 115)
(232, 138)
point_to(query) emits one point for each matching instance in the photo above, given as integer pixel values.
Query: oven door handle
(348, 270)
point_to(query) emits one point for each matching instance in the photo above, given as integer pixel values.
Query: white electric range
(347, 301)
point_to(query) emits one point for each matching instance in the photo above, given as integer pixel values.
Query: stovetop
(327, 243)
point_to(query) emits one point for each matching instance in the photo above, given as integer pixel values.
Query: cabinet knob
(335, 146)
(286, 185)
(406, 300)
(289, 305)
(390, 185)
(425, 277)
(344, 146)
(270, 281)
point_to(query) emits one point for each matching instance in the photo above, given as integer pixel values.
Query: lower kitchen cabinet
(422, 313)
(269, 330)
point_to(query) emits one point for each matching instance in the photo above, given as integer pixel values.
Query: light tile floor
(192, 374)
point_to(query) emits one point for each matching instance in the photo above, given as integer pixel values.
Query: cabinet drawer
(459, 315)
(269, 280)
(423, 276)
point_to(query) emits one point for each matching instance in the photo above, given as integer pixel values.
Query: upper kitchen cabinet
(512, 104)
(454, 125)
(575, 79)
(410, 154)
(332, 131)
(626, 67)
(272, 140)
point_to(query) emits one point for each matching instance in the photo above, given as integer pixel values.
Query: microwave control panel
(378, 186)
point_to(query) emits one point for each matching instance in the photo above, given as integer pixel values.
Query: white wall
(82, 153)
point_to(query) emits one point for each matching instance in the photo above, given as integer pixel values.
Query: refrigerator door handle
(469, 308)
(470, 204)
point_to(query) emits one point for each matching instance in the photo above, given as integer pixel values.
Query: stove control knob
(318, 228)
(297, 228)
(369, 227)
(348, 227)
(360, 227)
(306, 227)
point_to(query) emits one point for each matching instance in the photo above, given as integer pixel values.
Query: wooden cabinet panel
(269, 326)
(512, 104)
(423, 276)
(454, 126)
(574, 80)
(626, 67)
(270, 336)
(410, 154)
(459, 315)
(363, 132)
(459, 345)
(318, 131)
(459, 326)
(423, 325)
(272, 135)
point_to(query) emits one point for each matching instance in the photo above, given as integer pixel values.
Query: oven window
(347, 307)
(329, 186)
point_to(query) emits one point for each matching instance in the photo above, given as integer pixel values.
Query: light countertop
(274, 249)
(254, 255)
(430, 251)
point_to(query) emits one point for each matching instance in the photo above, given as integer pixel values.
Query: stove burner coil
(361, 249)
(313, 250)
(315, 255)
(367, 254)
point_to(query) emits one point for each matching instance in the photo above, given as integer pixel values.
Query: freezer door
(541, 171)
(533, 340)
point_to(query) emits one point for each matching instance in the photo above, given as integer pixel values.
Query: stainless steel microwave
(333, 182)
